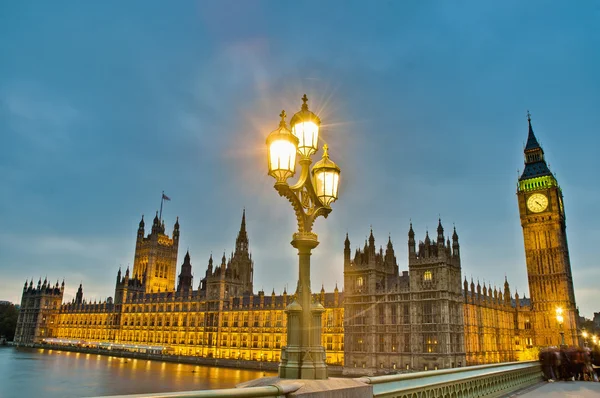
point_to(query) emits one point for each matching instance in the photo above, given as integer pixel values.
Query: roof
(536, 169)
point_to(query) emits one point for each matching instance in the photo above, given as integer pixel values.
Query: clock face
(537, 202)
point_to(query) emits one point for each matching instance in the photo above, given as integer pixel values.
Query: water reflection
(53, 374)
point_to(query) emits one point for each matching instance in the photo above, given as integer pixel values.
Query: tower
(155, 262)
(546, 250)
(436, 308)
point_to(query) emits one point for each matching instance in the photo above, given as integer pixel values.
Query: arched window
(427, 276)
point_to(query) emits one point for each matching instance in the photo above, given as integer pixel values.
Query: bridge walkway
(562, 389)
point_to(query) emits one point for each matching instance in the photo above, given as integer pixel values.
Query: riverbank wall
(334, 371)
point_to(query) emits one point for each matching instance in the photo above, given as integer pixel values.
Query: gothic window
(359, 343)
(427, 312)
(359, 283)
(330, 319)
(430, 343)
(427, 276)
(527, 324)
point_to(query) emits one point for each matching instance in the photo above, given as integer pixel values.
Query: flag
(165, 197)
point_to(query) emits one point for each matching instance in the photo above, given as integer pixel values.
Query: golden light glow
(584, 334)
(282, 160)
(305, 127)
(326, 176)
(282, 147)
(307, 133)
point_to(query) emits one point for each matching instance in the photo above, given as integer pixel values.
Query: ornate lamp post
(559, 318)
(304, 356)
(584, 334)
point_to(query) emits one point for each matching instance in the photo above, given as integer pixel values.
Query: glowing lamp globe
(305, 126)
(326, 179)
(282, 147)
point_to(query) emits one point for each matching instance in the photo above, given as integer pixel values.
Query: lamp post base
(297, 363)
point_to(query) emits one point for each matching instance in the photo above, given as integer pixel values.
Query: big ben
(546, 250)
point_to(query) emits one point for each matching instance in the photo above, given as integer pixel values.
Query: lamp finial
(304, 100)
(325, 149)
(282, 115)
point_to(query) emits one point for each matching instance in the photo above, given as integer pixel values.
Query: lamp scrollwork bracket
(304, 199)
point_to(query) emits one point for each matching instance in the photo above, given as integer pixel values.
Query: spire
(185, 276)
(532, 142)
(440, 231)
(142, 222)
(390, 246)
(411, 233)
(371, 239)
(241, 243)
(347, 242)
(243, 226)
(535, 164)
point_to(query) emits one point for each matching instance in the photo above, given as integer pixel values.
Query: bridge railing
(493, 380)
(472, 381)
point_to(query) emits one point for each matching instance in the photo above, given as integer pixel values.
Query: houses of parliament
(426, 317)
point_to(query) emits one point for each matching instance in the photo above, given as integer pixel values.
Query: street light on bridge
(304, 355)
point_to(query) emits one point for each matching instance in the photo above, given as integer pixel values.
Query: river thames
(63, 374)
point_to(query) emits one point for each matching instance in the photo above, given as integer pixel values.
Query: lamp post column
(305, 242)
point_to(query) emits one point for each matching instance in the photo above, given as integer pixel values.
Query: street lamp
(304, 356)
(584, 334)
(559, 318)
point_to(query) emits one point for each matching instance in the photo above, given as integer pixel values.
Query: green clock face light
(537, 202)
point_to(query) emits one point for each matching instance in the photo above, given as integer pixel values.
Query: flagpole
(162, 198)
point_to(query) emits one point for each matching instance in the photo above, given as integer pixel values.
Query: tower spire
(535, 164)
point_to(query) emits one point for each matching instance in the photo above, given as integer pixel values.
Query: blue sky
(105, 104)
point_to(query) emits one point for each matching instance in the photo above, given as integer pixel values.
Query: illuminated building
(426, 317)
(223, 318)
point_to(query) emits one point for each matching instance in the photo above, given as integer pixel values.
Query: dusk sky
(103, 105)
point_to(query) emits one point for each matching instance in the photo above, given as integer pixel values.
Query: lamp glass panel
(326, 185)
(282, 159)
(308, 135)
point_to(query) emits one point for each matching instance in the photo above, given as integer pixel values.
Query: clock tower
(546, 249)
